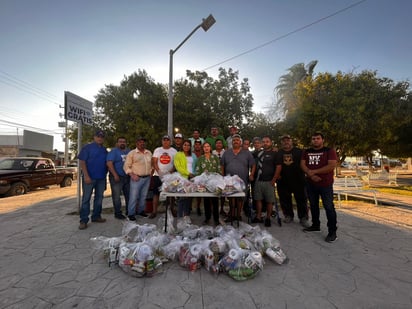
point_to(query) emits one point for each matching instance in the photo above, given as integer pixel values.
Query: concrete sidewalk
(46, 261)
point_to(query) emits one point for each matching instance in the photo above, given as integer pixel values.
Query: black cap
(100, 133)
(285, 136)
(140, 138)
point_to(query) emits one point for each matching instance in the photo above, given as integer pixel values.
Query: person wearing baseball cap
(92, 158)
(291, 181)
(138, 165)
(178, 142)
(100, 133)
(162, 162)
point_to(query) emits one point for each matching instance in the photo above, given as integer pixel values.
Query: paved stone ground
(46, 262)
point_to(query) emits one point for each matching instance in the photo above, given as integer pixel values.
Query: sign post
(78, 110)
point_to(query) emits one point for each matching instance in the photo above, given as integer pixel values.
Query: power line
(10, 123)
(287, 34)
(28, 90)
(22, 85)
(19, 83)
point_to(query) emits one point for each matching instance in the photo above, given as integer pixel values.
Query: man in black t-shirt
(265, 180)
(291, 181)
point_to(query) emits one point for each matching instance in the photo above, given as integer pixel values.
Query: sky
(48, 47)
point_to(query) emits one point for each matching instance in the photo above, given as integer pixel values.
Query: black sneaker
(257, 220)
(312, 228)
(143, 214)
(132, 218)
(120, 217)
(267, 222)
(228, 219)
(331, 237)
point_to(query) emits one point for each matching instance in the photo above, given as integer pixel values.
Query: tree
(285, 90)
(260, 125)
(359, 113)
(138, 106)
(200, 102)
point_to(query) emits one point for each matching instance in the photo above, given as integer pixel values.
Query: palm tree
(286, 99)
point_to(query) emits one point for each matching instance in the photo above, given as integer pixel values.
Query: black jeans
(285, 192)
(208, 202)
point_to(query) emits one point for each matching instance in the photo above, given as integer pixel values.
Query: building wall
(29, 144)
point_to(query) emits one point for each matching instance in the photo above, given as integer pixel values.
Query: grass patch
(403, 190)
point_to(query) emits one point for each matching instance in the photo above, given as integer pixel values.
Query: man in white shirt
(162, 162)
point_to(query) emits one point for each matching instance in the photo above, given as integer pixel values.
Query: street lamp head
(208, 22)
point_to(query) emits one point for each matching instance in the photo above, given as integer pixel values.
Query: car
(18, 175)
(362, 165)
(345, 164)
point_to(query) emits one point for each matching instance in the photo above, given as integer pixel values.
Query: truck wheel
(67, 182)
(18, 188)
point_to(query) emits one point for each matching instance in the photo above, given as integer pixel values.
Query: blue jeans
(138, 193)
(98, 186)
(326, 194)
(117, 188)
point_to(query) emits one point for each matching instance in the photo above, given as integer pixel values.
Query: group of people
(303, 174)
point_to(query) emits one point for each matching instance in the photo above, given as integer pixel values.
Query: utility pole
(65, 139)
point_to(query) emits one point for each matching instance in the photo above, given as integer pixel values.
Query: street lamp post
(206, 24)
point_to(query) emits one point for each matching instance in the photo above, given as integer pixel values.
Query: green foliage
(138, 106)
(287, 101)
(132, 109)
(358, 113)
(200, 102)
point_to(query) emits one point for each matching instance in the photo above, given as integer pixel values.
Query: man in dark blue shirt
(92, 158)
(119, 180)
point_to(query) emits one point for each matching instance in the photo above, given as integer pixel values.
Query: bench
(382, 176)
(352, 186)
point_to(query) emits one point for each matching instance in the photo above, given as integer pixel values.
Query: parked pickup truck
(18, 175)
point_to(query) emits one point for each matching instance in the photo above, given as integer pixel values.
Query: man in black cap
(291, 180)
(92, 158)
(119, 181)
(138, 166)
